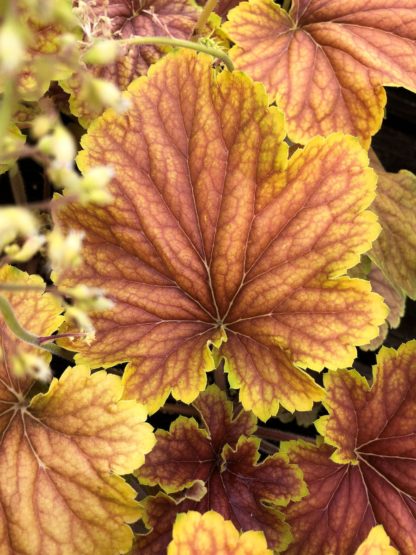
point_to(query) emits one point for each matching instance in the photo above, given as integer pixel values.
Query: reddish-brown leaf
(238, 486)
(122, 19)
(368, 477)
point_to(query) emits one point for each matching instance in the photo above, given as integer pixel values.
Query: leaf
(122, 20)
(368, 476)
(325, 62)
(238, 486)
(394, 300)
(395, 249)
(159, 516)
(217, 239)
(59, 451)
(193, 530)
(377, 543)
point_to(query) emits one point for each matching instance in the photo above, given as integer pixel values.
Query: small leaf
(394, 300)
(239, 487)
(159, 516)
(193, 531)
(395, 249)
(216, 239)
(325, 62)
(377, 543)
(368, 476)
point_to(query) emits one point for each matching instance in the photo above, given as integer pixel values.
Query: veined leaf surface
(325, 62)
(60, 450)
(218, 246)
(367, 475)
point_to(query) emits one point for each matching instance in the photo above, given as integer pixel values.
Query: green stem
(169, 41)
(206, 12)
(286, 5)
(6, 107)
(13, 324)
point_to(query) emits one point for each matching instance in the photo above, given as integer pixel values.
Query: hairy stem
(278, 435)
(206, 12)
(13, 324)
(179, 43)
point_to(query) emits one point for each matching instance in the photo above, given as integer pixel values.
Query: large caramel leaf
(194, 532)
(238, 486)
(325, 62)
(59, 451)
(215, 237)
(395, 249)
(122, 19)
(368, 477)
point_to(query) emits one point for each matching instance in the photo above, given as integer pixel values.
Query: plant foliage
(220, 242)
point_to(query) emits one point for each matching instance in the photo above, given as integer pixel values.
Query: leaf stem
(219, 377)
(17, 185)
(179, 43)
(206, 12)
(278, 435)
(179, 408)
(13, 324)
(268, 447)
(287, 5)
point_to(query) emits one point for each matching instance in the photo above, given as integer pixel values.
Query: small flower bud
(102, 52)
(41, 125)
(83, 322)
(60, 145)
(27, 251)
(15, 221)
(12, 47)
(64, 251)
(107, 94)
(28, 364)
(94, 185)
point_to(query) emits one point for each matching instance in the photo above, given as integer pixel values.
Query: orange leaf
(216, 239)
(368, 477)
(59, 451)
(325, 62)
